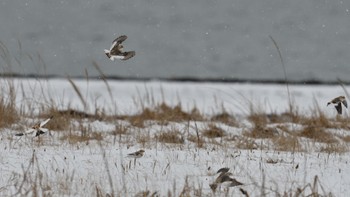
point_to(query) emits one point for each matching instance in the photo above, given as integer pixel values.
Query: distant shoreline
(183, 79)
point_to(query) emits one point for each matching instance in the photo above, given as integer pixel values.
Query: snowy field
(56, 164)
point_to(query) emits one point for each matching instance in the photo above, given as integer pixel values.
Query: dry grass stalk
(77, 90)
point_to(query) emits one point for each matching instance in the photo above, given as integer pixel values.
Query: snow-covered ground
(56, 166)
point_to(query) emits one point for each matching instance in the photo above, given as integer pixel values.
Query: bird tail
(107, 52)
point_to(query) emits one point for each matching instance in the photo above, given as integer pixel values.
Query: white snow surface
(61, 168)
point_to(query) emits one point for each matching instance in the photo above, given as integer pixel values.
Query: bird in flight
(116, 50)
(37, 128)
(337, 103)
(225, 179)
(136, 154)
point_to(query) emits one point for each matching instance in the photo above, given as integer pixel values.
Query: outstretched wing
(338, 107)
(127, 55)
(26, 132)
(118, 41)
(345, 103)
(43, 123)
(223, 170)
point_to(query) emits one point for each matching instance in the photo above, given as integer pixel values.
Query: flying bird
(37, 128)
(224, 179)
(116, 50)
(136, 154)
(337, 103)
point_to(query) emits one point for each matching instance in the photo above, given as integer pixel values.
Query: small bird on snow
(136, 154)
(337, 103)
(116, 50)
(37, 128)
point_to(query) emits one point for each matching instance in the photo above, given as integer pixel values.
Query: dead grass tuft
(319, 120)
(74, 138)
(284, 117)
(287, 143)
(259, 131)
(317, 133)
(258, 119)
(334, 148)
(346, 139)
(8, 112)
(246, 143)
(213, 131)
(59, 122)
(164, 114)
(173, 136)
(143, 139)
(225, 118)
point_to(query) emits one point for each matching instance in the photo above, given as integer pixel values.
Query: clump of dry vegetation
(317, 133)
(8, 111)
(173, 136)
(213, 131)
(287, 143)
(261, 132)
(164, 114)
(75, 138)
(225, 118)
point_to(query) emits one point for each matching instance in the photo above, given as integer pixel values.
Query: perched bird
(37, 128)
(136, 154)
(116, 50)
(224, 179)
(337, 103)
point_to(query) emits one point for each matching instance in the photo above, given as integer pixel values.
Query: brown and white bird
(116, 50)
(37, 128)
(224, 179)
(337, 103)
(136, 154)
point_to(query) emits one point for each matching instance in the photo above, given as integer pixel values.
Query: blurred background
(220, 39)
